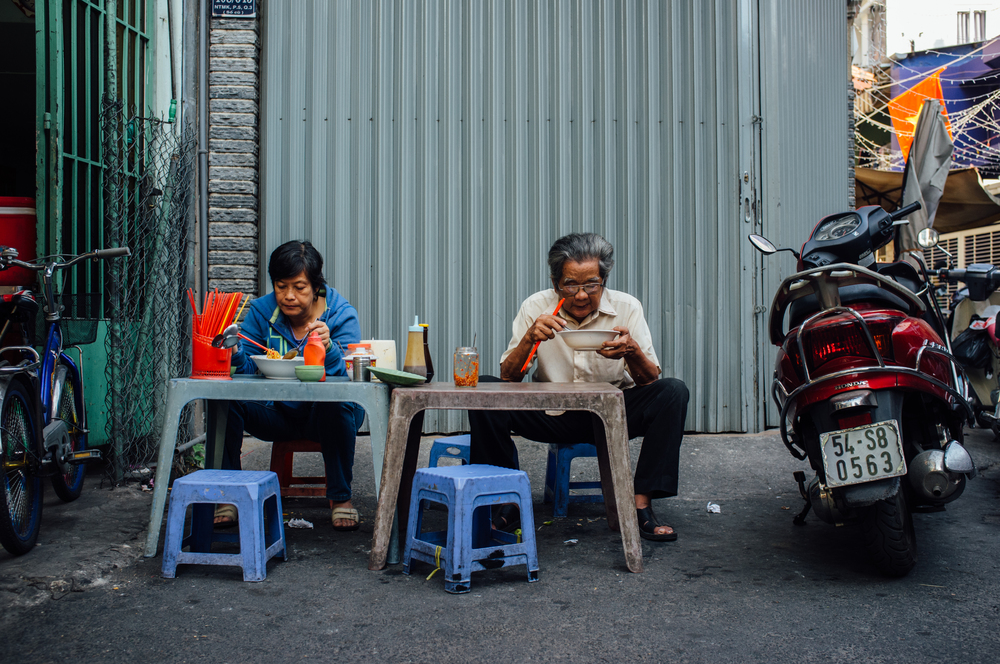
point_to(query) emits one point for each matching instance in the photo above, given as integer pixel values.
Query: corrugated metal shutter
(804, 76)
(434, 150)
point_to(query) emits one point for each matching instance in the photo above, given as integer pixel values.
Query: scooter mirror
(762, 244)
(928, 238)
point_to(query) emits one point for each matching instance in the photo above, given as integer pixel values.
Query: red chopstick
(217, 311)
(240, 335)
(532, 353)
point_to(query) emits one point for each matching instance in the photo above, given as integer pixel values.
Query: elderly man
(655, 407)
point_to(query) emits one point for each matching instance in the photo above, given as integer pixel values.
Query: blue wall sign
(234, 8)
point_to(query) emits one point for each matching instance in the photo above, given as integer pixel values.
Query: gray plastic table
(604, 400)
(373, 397)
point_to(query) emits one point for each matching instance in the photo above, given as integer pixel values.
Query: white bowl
(586, 339)
(278, 369)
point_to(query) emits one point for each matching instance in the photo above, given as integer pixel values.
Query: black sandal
(648, 525)
(507, 518)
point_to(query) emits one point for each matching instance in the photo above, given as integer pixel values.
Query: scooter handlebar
(905, 211)
(981, 279)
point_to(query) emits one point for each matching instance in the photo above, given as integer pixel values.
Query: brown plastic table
(605, 401)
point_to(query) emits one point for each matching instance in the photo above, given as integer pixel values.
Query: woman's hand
(322, 329)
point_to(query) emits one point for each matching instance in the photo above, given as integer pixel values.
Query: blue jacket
(266, 324)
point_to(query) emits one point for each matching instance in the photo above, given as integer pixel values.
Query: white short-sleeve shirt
(555, 362)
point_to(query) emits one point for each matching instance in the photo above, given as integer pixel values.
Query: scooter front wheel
(887, 528)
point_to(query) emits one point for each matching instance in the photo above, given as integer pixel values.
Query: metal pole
(203, 145)
(112, 192)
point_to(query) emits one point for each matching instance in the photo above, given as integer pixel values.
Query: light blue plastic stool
(450, 447)
(257, 496)
(557, 484)
(454, 447)
(469, 544)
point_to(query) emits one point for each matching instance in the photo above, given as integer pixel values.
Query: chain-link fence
(149, 167)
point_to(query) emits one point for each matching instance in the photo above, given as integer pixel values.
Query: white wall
(933, 23)
(167, 46)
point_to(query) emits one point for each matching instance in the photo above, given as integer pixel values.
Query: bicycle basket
(80, 315)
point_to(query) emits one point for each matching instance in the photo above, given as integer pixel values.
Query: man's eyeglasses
(589, 289)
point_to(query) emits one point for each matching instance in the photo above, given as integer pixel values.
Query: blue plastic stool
(451, 447)
(454, 447)
(257, 496)
(557, 484)
(470, 544)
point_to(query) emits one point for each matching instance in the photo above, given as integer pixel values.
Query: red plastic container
(207, 362)
(18, 230)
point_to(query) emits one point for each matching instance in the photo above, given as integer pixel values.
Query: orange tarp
(905, 109)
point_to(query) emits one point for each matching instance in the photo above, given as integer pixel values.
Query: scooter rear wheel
(20, 486)
(887, 527)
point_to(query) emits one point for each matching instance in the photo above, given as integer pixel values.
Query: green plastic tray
(396, 377)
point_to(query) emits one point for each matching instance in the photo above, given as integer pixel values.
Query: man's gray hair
(579, 248)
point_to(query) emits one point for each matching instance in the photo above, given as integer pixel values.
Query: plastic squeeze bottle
(415, 362)
(314, 353)
(427, 354)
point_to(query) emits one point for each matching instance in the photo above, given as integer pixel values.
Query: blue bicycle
(43, 419)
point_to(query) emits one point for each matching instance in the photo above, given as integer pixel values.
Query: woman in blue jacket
(301, 302)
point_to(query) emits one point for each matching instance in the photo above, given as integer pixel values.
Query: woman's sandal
(507, 518)
(228, 513)
(648, 525)
(345, 514)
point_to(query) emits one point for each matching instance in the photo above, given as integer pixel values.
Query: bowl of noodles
(278, 369)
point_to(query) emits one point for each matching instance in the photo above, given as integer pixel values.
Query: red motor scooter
(866, 385)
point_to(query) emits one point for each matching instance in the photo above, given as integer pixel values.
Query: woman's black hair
(579, 248)
(293, 258)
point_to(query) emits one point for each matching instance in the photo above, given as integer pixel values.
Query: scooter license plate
(862, 454)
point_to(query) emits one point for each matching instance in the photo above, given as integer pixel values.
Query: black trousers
(655, 411)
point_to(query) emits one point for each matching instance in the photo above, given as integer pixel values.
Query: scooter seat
(802, 309)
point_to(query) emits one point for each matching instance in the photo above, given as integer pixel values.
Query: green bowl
(309, 373)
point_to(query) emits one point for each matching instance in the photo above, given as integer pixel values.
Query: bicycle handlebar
(112, 253)
(6, 260)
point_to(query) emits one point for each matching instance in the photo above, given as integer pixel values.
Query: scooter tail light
(851, 421)
(842, 337)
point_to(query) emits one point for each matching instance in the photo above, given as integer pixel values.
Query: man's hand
(624, 347)
(544, 328)
(620, 347)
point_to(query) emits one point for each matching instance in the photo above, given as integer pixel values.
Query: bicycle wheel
(69, 485)
(21, 490)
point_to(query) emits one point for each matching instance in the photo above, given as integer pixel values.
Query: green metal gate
(87, 51)
(82, 54)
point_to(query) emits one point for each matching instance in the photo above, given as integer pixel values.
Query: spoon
(293, 353)
(228, 337)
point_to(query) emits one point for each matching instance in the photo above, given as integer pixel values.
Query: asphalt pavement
(743, 585)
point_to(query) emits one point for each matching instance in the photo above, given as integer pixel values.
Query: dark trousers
(333, 425)
(655, 411)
